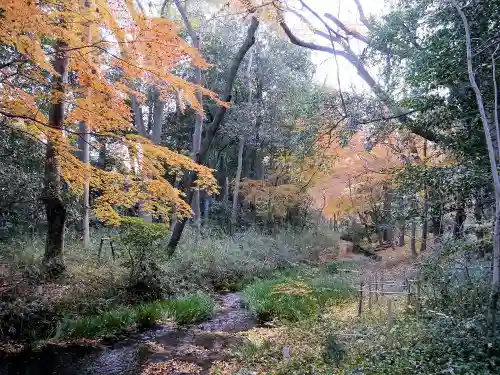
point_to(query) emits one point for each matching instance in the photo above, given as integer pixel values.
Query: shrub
(215, 261)
(141, 240)
(423, 346)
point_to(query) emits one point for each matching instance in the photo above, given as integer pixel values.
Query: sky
(325, 63)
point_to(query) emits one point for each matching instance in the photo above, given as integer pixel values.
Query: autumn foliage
(109, 47)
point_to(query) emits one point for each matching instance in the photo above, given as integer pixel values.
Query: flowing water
(199, 345)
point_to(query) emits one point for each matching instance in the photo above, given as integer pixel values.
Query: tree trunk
(236, 191)
(478, 216)
(213, 127)
(206, 209)
(413, 232)
(423, 243)
(157, 127)
(84, 140)
(138, 119)
(54, 205)
(226, 190)
(460, 217)
(401, 233)
(495, 280)
(195, 206)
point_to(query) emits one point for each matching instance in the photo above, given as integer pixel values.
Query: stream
(199, 345)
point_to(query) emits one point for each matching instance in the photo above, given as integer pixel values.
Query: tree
(48, 74)
(493, 157)
(214, 126)
(195, 38)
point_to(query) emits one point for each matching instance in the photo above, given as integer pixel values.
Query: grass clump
(293, 298)
(192, 308)
(185, 310)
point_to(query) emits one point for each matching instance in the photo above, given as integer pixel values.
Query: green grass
(185, 310)
(191, 309)
(294, 296)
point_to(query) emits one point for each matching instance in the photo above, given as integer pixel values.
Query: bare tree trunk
(206, 209)
(478, 216)
(241, 148)
(214, 126)
(157, 127)
(460, 217)
(84, 142)
(495, 280)
(423, 243)
(226, 190)
(54, 205)
(138, 119)
(195, 206)
(401, 233)
(85, 158)
(413, 232)
(236, 191)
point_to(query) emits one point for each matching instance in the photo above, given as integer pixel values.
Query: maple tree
(55, 78)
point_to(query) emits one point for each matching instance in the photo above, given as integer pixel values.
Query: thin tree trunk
(413, 232)
(54, 205)
(236, 191)
(226, 190)
(460, 217)
(138, 119)
(157, 127)
(478, 216)
(195, 206)
(495, 280)
(423, 243)
(85, 158)
(206, 209)
(84, 142)
(213, 127)
(401, 233)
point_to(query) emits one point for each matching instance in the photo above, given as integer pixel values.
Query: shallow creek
(200, 345)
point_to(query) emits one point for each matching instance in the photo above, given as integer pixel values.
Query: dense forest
(249, 187)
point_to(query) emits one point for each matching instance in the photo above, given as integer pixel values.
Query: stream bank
(189, 350)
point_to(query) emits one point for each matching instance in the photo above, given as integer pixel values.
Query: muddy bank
(190, 349)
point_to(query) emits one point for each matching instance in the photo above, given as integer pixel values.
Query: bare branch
(479, 96)
(302, 43)
(348, 31)
(495, 103)
(187, 23)
(362, 16)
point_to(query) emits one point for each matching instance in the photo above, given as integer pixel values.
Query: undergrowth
(295, 295)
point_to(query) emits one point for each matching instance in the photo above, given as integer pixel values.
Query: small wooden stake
(390, 318)
(369, 296)
(360, 304)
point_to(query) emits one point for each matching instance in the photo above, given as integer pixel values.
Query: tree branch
(362, 16)
(344, 28)
(299, 42)
(187, 23)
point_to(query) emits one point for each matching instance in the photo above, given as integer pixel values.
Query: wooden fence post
(360, 305)
(390, 318)
(369, 296)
